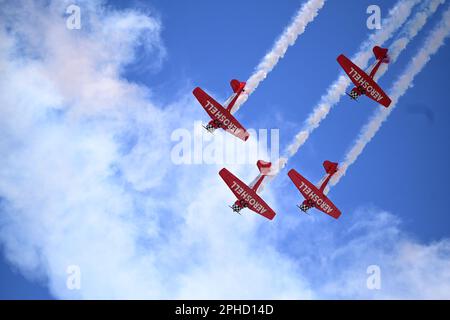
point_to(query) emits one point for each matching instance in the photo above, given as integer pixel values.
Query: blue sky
(396, 191)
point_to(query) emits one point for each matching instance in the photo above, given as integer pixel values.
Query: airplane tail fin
(264, 167)
(330, 167)
(237, 85)
(354, 94)
(381, 54)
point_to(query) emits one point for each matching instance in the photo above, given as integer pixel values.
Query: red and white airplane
(314, 195)
(364, 83)
(221, 115)
(247, 196)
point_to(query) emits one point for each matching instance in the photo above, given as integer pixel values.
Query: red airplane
(364, 83)
(314, 196)
(247, 195)
(221, 115)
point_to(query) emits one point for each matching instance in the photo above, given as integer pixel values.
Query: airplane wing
(310, 191)
(219, 113)
(361, 79)
(243, 192)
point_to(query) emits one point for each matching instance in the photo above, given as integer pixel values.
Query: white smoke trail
(304, 16)
(432, 44)
(397, 17)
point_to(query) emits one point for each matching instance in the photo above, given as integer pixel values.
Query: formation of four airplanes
(247, 195)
